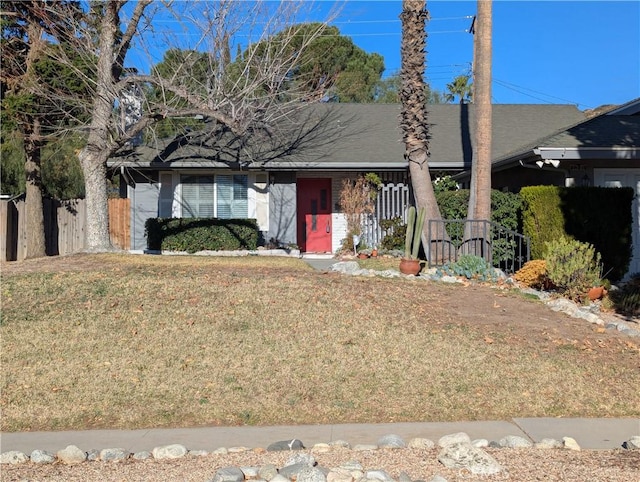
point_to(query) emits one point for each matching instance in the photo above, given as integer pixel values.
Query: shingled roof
(358, 137)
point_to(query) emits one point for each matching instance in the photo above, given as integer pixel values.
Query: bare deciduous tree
(251, 92)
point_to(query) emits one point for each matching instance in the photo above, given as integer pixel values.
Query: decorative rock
(321, 448)
(347, 267)
(311, 474)
(301, 458)
(340, 443)
(480, 443)
(220, 451)
(421, 443)
(113, 455)
(391, 442)
(71, 455)
(267, 472)
(93, 455)
(465, 456)
(293, 444)
(42, 457)
(437, 478)
(228, 474)
(173, 451)
(633, 443)
(450, 279)
(364, 447)
(292, 471)
(13, 457)
(404, 477)
(280, 478)
(570, 443)
(378, 475)
(198, 453)
(515, 442)
(144, 455)
(548, 443)
(340, 474)
(238, 450)
(250, 472)
(454, 438)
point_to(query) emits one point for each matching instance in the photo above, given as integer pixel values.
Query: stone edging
(455, 451)
(589, 313)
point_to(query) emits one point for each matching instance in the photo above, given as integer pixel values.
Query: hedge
(198, 234)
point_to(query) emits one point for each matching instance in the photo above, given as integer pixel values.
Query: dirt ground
(490, 309)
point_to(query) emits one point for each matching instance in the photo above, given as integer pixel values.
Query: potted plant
(410, 264)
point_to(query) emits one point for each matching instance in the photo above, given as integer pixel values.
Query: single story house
(290, 180)
(601, 151)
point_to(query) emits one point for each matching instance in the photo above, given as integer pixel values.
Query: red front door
(314, 215)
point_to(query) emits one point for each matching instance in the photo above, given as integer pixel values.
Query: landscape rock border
(590, 313)
(455, 450)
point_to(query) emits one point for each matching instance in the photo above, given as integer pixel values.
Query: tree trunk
(480, 189)
(95, 179)
(413, 121)
(34, 214)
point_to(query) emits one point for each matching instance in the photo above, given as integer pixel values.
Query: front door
(314, 215)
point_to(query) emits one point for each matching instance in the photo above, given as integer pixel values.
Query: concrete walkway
(600, 433)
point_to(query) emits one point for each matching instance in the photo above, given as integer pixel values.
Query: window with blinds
(197, 197)
(227, 198)
(231, 191)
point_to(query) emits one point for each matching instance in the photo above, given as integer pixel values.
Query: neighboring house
(291, 183)
(601, 151)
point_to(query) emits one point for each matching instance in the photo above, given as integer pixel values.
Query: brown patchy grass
(125, 341)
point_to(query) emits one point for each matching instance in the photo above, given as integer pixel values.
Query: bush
(395, 231)
(626, 300)
(542, 218)
(534, 274)
(573, 267)
(192, 235)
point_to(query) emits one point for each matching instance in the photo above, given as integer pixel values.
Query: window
(228, 193)
(232, 196)
(197, 196)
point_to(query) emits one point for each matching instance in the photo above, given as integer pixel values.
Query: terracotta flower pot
(596, 293)
(410, 266)
(363, 256)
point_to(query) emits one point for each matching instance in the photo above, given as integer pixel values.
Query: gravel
(419, 464)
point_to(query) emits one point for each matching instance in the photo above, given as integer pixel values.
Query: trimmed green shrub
(542, 218)
(195, 234)
(573, 266)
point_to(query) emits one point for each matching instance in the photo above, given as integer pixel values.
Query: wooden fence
(64, 225)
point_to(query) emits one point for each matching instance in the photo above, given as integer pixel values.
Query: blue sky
(577, 52)
(568, 52)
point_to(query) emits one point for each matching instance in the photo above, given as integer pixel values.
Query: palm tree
(460, 87)
(480, 194)
(413, 116)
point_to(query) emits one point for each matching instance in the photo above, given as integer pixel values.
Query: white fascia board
(572, 153)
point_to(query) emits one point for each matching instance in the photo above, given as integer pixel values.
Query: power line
(522, 90)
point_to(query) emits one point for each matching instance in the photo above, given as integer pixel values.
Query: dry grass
(117, 341)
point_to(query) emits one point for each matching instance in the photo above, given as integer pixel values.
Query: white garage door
(625, 178)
